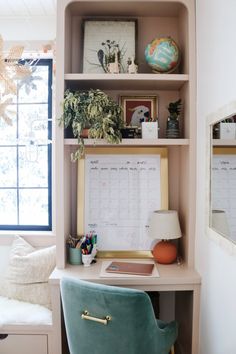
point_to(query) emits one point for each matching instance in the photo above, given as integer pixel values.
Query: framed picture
(138, 109)
(107, 40)
(117, 192)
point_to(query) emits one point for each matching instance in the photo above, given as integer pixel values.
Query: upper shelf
(127, 81)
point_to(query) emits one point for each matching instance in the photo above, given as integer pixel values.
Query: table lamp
(219, 222)
(164, 225)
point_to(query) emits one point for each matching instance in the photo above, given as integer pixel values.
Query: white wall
(216, 58)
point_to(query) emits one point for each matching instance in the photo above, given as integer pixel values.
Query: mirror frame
(223, 112)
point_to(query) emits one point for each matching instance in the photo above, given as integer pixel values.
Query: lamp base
(164, 252)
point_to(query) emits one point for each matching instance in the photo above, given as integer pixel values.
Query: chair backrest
(131, 330)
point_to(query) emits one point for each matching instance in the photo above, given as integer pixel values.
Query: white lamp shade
(164, 225)
(219, 222)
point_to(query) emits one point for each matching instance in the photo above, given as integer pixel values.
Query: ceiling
(27, 8)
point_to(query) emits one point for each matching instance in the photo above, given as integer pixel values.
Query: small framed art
(138, 109)
(107, 41)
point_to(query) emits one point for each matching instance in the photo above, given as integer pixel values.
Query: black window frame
(48, 227)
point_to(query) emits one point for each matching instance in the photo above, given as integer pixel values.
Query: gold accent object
(86, 316)
(227, 150)
(125, 254)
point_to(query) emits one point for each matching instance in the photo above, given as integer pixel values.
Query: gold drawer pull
(85, 316)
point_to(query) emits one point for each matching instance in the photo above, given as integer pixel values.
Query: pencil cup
(74, 256)
(87, 259)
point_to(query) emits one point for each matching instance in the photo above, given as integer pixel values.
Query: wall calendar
(120, 193)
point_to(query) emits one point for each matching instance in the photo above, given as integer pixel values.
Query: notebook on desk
(130, 268)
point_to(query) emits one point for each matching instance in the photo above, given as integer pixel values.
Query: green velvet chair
(103, 319)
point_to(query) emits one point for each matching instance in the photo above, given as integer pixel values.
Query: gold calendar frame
(121, 150)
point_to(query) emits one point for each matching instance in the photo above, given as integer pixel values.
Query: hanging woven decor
(11, 69)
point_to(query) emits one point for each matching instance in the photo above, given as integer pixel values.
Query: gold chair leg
(172, 350)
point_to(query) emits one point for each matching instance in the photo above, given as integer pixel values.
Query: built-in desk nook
(180, 279)
(175, 19)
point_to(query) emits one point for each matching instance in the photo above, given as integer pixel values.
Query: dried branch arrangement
(11, 70)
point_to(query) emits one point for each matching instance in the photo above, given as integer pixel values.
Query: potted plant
(93, 110)
(172, 129)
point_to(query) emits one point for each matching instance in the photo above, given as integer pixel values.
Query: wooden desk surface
(172, 277)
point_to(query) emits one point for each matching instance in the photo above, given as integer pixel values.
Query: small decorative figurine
(113, 68)
(132, 67)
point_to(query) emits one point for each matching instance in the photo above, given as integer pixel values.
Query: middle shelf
(130, 142)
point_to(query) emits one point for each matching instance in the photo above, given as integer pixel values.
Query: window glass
(25, 154)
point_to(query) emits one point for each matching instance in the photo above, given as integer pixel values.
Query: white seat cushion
(14, 312)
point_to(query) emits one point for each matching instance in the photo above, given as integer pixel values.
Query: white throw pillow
(34, 267)
(28, 272)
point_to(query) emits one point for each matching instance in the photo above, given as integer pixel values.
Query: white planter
(227, 130)
(149, 130)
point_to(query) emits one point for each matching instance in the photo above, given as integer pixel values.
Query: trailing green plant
(174, 109)
(95, 110)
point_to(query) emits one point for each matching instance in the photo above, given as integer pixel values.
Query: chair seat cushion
(14, 312)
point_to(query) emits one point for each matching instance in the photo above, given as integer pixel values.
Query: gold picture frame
(135, 151)
(133, 115)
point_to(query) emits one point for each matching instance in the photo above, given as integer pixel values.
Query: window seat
(25, 327)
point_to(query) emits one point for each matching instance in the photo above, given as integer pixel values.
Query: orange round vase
(165, 252)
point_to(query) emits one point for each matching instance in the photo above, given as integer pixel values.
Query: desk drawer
(24, 344)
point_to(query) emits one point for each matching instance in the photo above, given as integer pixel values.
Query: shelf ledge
(131, 142)
(224, 142)
(127, 81)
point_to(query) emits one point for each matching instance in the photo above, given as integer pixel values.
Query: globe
(162, 55)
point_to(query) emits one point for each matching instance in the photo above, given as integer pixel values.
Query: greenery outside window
(26, 155)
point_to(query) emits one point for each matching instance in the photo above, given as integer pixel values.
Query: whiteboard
(224, 188)
(121, 192)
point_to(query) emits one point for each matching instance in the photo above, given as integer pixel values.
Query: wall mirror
(222, 172)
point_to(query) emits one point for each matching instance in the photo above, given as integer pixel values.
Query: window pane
(33, 206)
(35, 88)
(33, 122)
(8, 207)
(8, 132)
(33, 169)
(8, 170)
